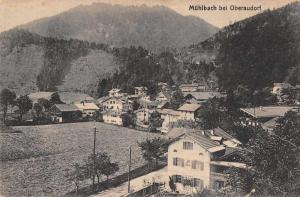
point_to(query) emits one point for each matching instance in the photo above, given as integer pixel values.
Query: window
(188, 145)
(178, 162)
(197, 165)
(218, 184)
(177, 178)
(197, 183)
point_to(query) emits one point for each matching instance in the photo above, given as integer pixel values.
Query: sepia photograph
(149, 98)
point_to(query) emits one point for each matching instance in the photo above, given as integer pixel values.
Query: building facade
(194, 163)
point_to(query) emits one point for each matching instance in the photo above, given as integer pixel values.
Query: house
(115, 92)
(188, 111)
(162, 85)
(116, 104)
(144, 103)
(270, 125)
(163, 96)
(87, 109)
(64, 113)
(279, 87)
(169, 117)
(189, 87)
(194, 87)
(200, 97)
(263, 114)
(196, 162)
(113, 117)
(34, 97)
(142, 116)
(141, 91)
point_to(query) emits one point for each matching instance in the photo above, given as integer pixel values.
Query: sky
(17, 12)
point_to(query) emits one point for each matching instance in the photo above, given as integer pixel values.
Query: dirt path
(136, 184)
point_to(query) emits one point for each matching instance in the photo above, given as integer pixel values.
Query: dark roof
(66, 107)
(175, 133)
(202, 140)
(220, 132)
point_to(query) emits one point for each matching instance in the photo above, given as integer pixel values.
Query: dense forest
(260, 50)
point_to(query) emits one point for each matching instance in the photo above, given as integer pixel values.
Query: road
(136, 184)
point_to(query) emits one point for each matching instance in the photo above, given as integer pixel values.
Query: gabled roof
(87, 106)
(169, 112)
(162, 104)
(203, 95)
(270, 124)
(66, 107)
(40, 95)
(267, 111)
(103, 99)
(220, 132)
(175, 133)
(204, 141)
(282, 85)
(115, 90)
(141, 88)
(191, 107)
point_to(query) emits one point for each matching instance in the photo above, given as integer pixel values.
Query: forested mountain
(254, 52)
(154, 28)
(30, 62)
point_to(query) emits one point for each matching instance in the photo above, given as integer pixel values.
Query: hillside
(30, 62)
(254, 52)
(154, 28)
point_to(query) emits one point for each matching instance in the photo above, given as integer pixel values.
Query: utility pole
(94, 157)
(129, 166)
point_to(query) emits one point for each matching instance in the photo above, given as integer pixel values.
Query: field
(35, 161)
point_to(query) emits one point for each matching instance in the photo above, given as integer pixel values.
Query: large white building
(116, 104)
(113, 117)
(196, 161)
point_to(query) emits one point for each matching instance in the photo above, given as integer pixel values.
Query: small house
(140, 91)
(169, 117)
(200, 97)
(142, 116)
(115, 92)
(279, 87)
(262, 114)
(87, 109)
(188, 111)
(65, 113)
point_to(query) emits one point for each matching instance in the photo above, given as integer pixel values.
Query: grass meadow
(35, 161)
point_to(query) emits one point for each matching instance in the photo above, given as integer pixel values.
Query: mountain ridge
(154, 28)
